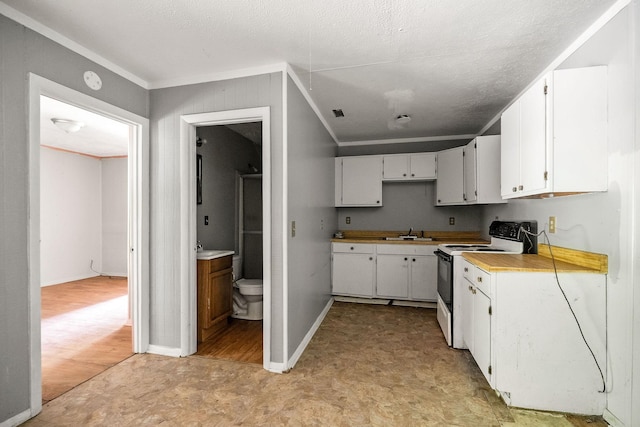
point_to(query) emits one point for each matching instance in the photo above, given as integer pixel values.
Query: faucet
(410, 231)
(199, 247)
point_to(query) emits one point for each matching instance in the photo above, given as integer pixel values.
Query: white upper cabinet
(482, 171)
(554, 137)
(358, 181)
(450, 185)
(409, 167)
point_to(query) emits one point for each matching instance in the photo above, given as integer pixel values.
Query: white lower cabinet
(525, 340)
(476, 323)
(353, 269)
(403, 272)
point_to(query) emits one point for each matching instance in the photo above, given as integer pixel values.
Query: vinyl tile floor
(366, 366)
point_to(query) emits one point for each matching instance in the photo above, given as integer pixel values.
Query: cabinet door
(470, 172)
(362, 181)
(481, 349)
(424, 277)
(220, 295)
(450, 185)
(353, 274)
(395, 167)
(533, 138)
(510, 151)
(467, 314)
(422, 166)
(392, 276)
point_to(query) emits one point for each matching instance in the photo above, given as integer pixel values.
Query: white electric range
(507, 237)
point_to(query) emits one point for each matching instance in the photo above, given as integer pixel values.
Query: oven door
(444, 309)
(445, 278)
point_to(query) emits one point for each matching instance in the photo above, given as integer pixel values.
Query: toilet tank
(237, 267)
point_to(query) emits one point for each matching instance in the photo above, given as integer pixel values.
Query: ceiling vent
(338, 113)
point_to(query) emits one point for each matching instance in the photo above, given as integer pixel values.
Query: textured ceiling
(99, 137)
(451, 66)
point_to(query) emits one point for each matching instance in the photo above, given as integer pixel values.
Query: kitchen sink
(411, 239)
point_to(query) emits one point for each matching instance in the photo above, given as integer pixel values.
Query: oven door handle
(443, 255)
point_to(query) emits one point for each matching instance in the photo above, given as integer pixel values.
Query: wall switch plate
(348, 220)
(452, 220)
(552, 224)
(206, 220)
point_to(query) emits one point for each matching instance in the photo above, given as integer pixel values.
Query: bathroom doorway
(229, 217)
(190, 125)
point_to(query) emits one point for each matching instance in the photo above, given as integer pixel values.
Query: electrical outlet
(322, 224)
(348, 220)
(452, 220)
(552, 224)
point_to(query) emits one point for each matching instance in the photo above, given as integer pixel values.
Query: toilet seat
(250, 286)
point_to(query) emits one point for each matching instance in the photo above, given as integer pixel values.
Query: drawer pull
(352, 248)
(370, 258)
(466, 269)
(406, 259)
(479, 279)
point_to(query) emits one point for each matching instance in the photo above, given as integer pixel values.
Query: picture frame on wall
(199, 178)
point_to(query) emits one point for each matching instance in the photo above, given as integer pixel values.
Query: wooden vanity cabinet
(215, 295)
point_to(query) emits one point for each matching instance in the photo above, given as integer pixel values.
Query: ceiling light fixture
(403, 119)
(69, 126)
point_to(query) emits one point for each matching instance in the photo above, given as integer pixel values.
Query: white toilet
(247, 294)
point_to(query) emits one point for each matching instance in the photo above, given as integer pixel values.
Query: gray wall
(411, 205)
(23, 51)
(225, 154)
(311, 151)
(604, 222)
(167, 105)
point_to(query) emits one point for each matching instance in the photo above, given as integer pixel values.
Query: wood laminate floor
(84, 331)
(365, 366)
(240, 341)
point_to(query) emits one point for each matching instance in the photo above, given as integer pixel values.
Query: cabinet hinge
(546, 175)
(464, 153)
(475, 145)
(490, 369)
(546, 89)
(489, 310)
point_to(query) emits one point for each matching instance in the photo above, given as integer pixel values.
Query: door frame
(138, 218)
(188, 231)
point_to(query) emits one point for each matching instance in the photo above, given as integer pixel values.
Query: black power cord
(555, 271)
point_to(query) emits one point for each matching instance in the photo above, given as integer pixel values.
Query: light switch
(206, 220)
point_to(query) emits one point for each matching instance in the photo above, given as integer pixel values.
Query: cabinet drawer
(468, 271)
(356, 248)
(482, 280)
(393, 249)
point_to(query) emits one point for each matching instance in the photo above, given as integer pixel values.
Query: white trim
(275, 367)
(18, 419)
(312, 104)
(47, 32)
(285, 220)
(218, 76)
(586, 35)
(307, 338)
(164, 351)
(611, 419)
(188, 239)
(406, 140)
(138, 218)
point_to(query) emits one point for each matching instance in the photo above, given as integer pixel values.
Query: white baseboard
(362, 300)
(164, 351)
(68, 279)
(275, 367)
(612, 419)
(17, 419)
(307, 338)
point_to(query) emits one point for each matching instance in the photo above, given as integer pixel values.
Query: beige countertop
(566, 261)
(437, 237)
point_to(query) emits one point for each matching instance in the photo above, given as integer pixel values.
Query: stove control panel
(513, 230)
